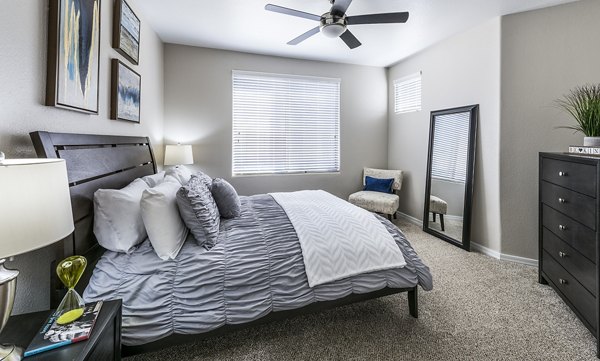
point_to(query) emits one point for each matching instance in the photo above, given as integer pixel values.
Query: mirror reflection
(448, 177)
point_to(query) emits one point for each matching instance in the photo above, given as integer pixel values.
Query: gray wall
(545, 53)
(22, 90)
(461, 70)
(198, 111)
(451, 192)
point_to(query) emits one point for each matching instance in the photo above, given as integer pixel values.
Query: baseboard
(410, 219)
(479, 248)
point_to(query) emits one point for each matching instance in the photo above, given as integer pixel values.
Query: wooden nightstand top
(21, 329)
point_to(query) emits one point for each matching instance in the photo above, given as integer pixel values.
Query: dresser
(569, 231)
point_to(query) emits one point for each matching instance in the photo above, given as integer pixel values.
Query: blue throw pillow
(378, 184)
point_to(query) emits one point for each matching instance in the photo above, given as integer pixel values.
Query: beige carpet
(480, 309)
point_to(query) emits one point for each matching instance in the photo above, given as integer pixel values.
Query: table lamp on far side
(178, 155)
(35, 211)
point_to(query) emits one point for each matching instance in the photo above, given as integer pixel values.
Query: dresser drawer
(583, 301)
(575, 205)
(575, 176)
(580, 267)
(569, 230)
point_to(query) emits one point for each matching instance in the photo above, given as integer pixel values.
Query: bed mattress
(255, 268)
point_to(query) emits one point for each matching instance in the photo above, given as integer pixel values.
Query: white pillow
(154, 179)
(165, 228)
(118, 224)
(181, 173)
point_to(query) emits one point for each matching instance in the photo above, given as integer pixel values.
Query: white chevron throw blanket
(338, 239)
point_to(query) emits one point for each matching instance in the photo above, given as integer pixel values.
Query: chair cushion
(375, 201)
(437, 205)
(378, 184)
(384, 174)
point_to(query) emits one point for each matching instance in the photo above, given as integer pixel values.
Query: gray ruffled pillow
(226, 198)
(199, 211)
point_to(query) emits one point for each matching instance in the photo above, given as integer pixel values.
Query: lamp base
(10, 353)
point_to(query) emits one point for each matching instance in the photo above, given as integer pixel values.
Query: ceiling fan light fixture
(333, 26)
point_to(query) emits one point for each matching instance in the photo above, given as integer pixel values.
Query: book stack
(587, 151)
(52, 335)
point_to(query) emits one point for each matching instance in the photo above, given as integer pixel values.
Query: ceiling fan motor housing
(333, 26)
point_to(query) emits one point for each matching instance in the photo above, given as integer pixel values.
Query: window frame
(280, 76)
(406, 81)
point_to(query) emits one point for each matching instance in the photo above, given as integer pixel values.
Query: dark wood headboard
(93, 162)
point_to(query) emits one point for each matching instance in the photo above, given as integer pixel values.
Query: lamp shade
(35, 205)
(178, 154)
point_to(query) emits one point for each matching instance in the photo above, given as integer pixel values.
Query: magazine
(53, 335)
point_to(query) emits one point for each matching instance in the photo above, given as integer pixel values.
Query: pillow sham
(154, 179)
(181, 173)
(118, 224)
(226, 198)
(199, 212)
(378, 184)
(165, 228)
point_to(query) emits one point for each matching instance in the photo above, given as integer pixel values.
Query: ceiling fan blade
(388, 18)
(340, 7)
(350, 40)
(304, 36)
(292, 12)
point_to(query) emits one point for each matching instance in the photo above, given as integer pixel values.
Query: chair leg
(389, 217)
(442, 222)
(433, 217)
(395, 215)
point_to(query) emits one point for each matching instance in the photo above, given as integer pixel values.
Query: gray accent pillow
(207, 180)
(226, 198)
(199, 212)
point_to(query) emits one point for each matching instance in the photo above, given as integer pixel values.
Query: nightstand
(104, 343)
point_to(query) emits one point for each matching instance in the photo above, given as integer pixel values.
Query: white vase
(591, 141)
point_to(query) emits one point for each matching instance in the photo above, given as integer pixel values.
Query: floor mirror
(450, 174)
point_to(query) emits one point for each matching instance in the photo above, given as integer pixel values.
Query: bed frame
(112, 162)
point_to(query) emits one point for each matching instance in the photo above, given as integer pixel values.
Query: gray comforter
(255, 268)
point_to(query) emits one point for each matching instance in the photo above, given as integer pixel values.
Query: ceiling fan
(335, 23)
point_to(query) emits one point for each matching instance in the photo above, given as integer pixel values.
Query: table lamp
(178, 154)
(35, 211)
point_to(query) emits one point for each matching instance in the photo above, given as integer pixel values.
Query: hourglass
(69, 272)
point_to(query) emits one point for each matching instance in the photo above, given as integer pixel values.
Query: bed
(254, 274)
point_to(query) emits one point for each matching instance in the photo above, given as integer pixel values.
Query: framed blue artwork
(73, 55)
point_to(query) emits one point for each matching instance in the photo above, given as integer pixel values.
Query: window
(449, 161)
(408, 94)
(285, 124)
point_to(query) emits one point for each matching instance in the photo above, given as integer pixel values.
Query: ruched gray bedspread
(255, 268)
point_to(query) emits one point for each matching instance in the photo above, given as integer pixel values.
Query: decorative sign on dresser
(569, 232)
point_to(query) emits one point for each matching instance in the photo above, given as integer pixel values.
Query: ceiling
(244, 25)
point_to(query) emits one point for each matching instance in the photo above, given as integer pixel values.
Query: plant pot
(591, 141)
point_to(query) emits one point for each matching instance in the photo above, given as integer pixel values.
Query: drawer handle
(562, 282)
(562, 200)
(562, 228)
(562, 254)
(562, 174)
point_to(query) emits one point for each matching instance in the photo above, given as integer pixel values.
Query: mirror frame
(468, 198)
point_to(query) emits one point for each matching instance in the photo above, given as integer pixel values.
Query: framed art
(126, 93)
(126, 31)
(73, 55)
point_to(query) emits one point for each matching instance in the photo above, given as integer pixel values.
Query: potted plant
(583, 103)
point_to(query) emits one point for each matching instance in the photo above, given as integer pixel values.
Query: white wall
(545, 53)
(459, 71)
(23, 36)
(198, 111)
(451, 192)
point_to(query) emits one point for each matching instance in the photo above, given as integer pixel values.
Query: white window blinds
(407, 92)
(285, 124)
(450, 147)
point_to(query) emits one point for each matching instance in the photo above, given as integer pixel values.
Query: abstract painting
(126, 92)
(74, 55)
(126, 31)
